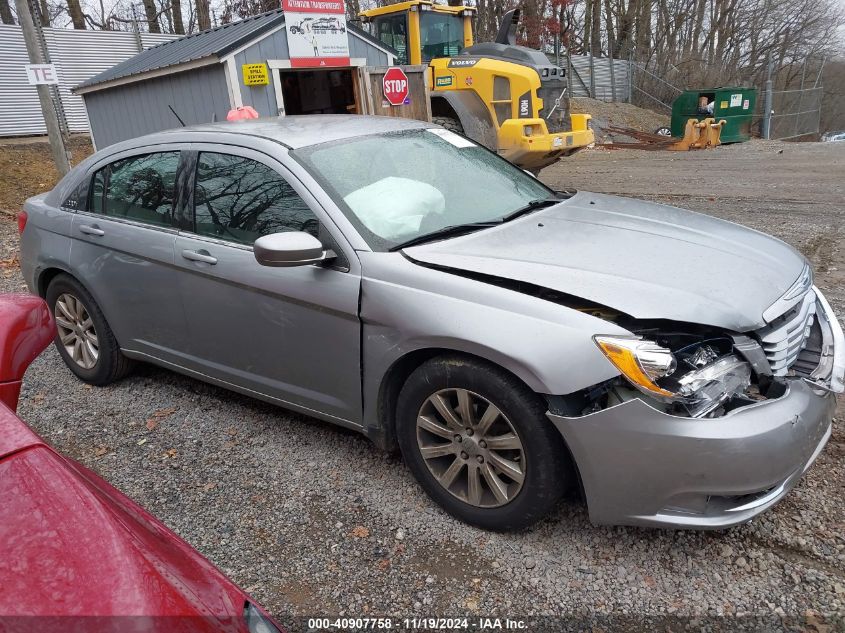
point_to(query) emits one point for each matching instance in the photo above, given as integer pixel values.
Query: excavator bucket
(699, 135)
(713, 131)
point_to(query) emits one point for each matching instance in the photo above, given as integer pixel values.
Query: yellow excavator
(508, 98)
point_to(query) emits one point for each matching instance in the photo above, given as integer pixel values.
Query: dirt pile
(618, 114)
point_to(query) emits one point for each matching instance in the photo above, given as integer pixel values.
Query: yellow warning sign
(255, 74)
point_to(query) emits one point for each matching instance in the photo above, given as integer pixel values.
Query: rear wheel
(479, 443)
(83, 337)
(450, 123)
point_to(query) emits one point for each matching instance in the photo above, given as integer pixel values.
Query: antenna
(176, 115)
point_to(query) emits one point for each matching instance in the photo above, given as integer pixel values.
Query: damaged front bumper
(643, 466)
(640, 466)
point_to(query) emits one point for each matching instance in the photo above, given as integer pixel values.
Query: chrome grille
(785, 337)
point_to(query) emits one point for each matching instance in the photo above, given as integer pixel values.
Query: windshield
(398, 186)
(441, 35)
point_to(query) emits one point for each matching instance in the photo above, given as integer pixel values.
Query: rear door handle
(91, 230)
(199, 256)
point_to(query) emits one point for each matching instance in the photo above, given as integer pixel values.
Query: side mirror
(295, 248)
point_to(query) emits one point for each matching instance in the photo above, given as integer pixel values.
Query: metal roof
(211, 44)
(215, 42)
(77, 54)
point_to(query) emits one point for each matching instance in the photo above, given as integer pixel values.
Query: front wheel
(479, 443)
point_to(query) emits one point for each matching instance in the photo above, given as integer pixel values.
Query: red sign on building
(395, 86)
(316, 33)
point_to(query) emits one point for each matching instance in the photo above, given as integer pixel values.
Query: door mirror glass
(292, 248)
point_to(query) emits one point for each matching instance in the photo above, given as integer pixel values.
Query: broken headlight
(642, 362)
(705, 389)
(696, 379)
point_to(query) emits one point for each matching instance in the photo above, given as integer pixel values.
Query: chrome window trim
(111, 218)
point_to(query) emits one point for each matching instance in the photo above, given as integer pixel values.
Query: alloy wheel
(471, 448)
(76, 331)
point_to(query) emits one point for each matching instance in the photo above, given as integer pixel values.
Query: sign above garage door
(316, 33)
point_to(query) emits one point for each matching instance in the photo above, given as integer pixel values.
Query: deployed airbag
(394, 207)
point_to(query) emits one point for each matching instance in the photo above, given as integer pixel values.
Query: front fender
(406, 307)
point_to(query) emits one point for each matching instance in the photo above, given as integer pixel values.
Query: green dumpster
(733, 104)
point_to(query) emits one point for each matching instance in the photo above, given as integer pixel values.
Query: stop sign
(395, 85)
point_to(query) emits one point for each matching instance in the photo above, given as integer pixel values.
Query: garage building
(199, 78)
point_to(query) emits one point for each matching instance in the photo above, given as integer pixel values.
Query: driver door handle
(91, 230)
(199, 256)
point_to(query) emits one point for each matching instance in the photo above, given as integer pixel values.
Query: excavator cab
(420, 31)
(509, 98)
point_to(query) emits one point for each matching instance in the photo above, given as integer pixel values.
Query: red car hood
(73, 545)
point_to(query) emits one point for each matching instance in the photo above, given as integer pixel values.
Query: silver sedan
(395, 278)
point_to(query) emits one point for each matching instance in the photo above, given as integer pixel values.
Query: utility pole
(767, 100)
(48, 108)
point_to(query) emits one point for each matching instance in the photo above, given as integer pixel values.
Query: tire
(450, 123)
(663, 131)
(542, 462)
(72, 305)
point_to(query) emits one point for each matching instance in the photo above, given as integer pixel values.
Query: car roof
(291, 131)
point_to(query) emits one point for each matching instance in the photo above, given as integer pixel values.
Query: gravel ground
(313, 520)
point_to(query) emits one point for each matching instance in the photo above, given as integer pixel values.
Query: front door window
(239, 200)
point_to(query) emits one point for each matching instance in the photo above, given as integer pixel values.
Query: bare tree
(151, 12)
(203, 15)
(6, 12)
(176, 11)
(43, 13)
(77, 18)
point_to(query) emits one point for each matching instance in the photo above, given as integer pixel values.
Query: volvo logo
(461, 63)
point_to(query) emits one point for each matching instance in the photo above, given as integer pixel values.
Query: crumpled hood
(644, 259)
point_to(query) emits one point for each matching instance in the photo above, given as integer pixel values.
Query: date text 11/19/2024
(416, 624)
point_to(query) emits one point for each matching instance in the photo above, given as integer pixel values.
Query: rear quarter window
(77, 199)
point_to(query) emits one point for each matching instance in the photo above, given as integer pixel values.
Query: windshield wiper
(447, 231)
(459, 229)
(539, 203)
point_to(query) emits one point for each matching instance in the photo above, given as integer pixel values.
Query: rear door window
(139, 188)
(239, 199)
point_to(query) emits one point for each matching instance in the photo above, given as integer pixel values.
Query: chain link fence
(795, 113)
